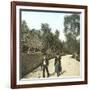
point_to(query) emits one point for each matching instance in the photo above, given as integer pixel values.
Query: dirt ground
(70, 68)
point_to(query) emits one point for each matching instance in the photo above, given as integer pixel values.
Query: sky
(55, 20)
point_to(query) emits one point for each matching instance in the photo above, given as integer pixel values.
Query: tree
(46, 35)
(72, 25)
(72, 31)
(45, 28)
(34, 40)
(24, 36)
(51, 41)
(57, 34)
(30, 39)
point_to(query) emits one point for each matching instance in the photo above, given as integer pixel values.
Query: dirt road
(70, 67)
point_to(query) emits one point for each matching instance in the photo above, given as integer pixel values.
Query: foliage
(72, 31)
(72, 25)
(51, 41)
(30, 39)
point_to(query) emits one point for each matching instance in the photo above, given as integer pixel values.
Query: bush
(77, 57)
(28, 62)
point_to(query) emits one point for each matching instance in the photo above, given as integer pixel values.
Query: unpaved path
(70, 67)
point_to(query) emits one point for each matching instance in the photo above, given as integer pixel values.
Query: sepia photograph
(49, 44)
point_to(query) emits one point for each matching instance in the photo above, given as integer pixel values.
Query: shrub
(28, 62)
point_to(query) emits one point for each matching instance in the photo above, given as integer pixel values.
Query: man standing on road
(45, 64)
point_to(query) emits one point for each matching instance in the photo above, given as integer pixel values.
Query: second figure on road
(57, 65)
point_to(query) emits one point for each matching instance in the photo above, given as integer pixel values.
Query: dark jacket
(57, 60)
(46, 62)
(57, 64)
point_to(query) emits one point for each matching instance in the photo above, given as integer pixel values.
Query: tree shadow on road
(62, 72)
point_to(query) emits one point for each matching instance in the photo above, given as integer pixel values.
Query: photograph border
(13, 43)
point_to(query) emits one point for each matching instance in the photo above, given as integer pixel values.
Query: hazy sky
(55, 20)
